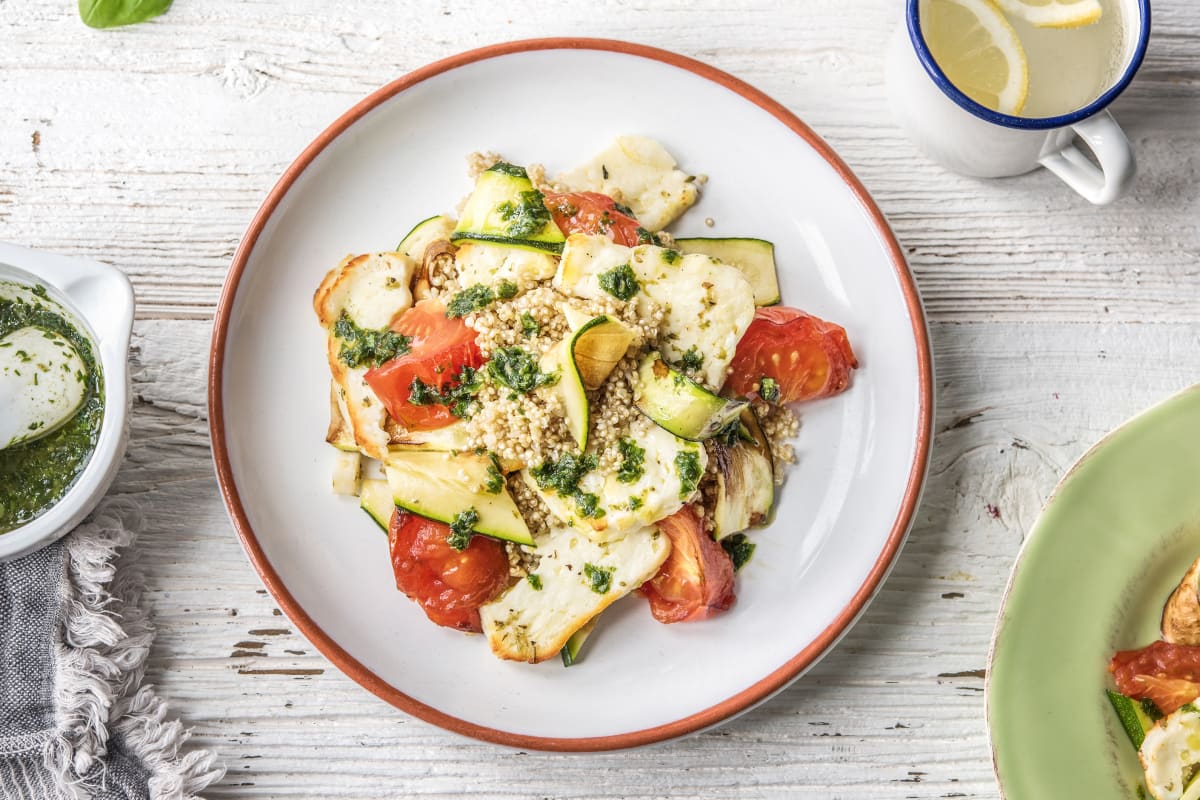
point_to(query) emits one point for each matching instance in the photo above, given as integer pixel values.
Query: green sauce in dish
(36, 474)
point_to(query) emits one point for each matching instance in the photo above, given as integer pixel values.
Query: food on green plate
(549, 406)
(52, 401)
(1158, 694)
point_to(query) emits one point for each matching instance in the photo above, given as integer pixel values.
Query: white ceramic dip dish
(98, 299)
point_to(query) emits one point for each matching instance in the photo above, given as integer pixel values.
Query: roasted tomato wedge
(805, 357)
(696, 580)
(450, 585)
(1168, 674)
(592, 212)
(440, 348)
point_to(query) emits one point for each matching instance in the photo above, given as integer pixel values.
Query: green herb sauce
(470, 299)
(768, 389)
(687, 464)
(36, 474)
(620, 282)
(633, 459)
(598, 578)
(360, 346)
(518, 370)
(692, 360)
(529, 325)
(458, 395)
(512, 170)
(527, 216)
(647, 237)
(462, 529)
(740, 548)
(495, 478)
(564, 475)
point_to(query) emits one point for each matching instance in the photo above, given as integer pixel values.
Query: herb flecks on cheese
(637, 172)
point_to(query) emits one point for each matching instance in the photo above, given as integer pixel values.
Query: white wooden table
(1052, 321)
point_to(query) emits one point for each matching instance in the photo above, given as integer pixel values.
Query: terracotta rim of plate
(742, 701)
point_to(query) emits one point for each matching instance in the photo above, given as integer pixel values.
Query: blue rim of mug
(1027, 123)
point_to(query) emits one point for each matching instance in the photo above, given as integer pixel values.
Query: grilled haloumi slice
(656, 494)
(579, 578)
(490, 264)
(360, 408)
(707, 305)
(640, 173)
(372, 290)
(1170, 755)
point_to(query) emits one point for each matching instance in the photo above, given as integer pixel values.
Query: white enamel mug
(971, 139)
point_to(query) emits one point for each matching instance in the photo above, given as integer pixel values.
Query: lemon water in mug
(1028, 58)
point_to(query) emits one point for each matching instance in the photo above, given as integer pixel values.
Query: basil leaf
(112, 13)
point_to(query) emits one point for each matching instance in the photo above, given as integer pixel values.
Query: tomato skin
(585, 212)
(696, 580)
(808, 357)
(449, 585)
(439, 348)
(1168, 674)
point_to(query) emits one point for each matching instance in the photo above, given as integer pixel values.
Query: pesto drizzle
(363, 346)
(563, 477)
(517, 369)
(740, 548)
(620, 282)
(599, 578)
(687, 464)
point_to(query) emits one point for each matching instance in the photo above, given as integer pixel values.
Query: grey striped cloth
(74, 720)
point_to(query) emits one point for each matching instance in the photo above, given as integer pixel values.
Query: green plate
(1113, 541)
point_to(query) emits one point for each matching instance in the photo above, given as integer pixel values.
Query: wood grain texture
(1052, 321)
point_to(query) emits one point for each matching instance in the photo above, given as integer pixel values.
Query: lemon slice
(1054, 13)
(979, 52)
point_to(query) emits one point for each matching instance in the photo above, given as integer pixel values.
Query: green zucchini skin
(423, 234)
(570, 651)
(679, 404)
(1133, 717)
(375, 498)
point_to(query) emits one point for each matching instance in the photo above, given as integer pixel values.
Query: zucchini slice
(597, 346)
(754, 257)
(505, 209)
(423, 234)
(745, 480)
(1133, 716)
(570, 390)
(570, 650)
(375, 498)
(679, 404)
(441, 486)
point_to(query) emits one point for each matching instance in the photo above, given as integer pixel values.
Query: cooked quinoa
(780, 425)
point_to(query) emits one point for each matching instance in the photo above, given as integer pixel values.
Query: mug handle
(1100, 185)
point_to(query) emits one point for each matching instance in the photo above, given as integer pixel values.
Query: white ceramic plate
(397, 158)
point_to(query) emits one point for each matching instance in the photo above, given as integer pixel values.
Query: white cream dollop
(42, 384)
